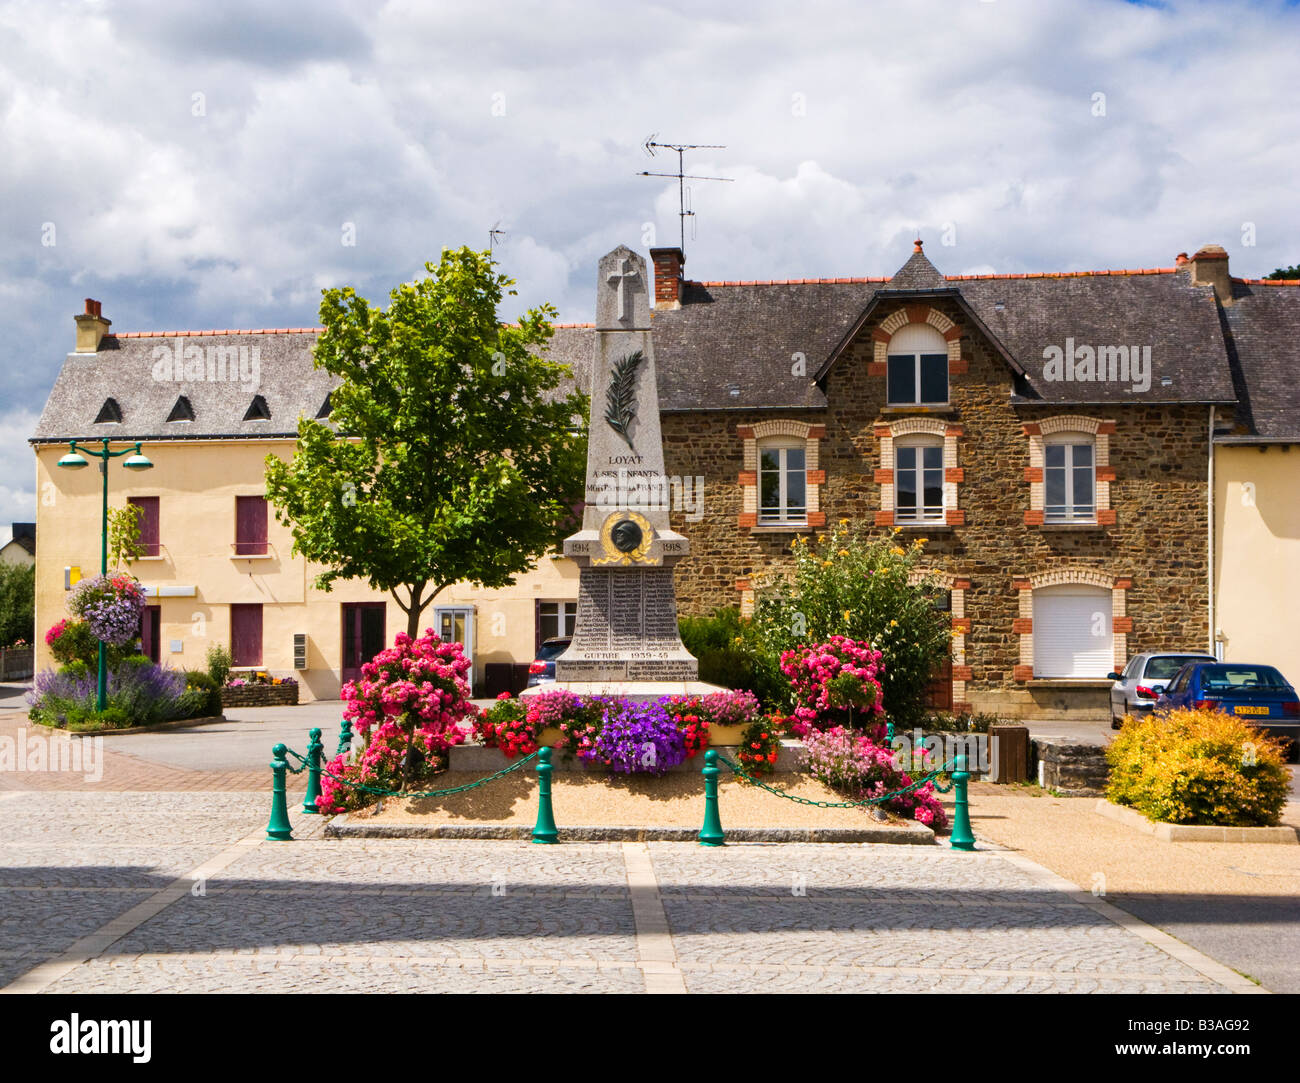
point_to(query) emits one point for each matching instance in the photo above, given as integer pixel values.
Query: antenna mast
(683, 193)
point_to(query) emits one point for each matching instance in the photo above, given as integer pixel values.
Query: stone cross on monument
(626, 640)
(619, 279)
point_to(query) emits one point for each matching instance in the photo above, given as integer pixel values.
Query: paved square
(157, 892)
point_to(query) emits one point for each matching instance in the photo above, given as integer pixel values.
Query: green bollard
(711, 834)
(315, 752)
(279, 829)
(962, 837)
(345, 738)
(545, 831)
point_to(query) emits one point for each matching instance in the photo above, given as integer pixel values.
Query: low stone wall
(260, 695)
(16, 663)
(1070, 768)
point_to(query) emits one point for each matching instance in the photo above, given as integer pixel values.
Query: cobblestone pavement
(154, 891)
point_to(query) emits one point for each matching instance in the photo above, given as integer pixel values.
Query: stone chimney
(1210, 268)
(91, 328)
(669, 263)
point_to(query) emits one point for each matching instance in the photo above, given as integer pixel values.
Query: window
(257, 410)
(109, 414)
(555, 619)
(782, 483)
(250, 526)
(246, 635)
(1069, 479)
(1072, 632)
(917, 371)
(918, 481)
(182, 410)
(148, 506)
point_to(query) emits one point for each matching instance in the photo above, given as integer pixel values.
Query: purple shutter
(246, 635)
(250, 526)
(149, 537)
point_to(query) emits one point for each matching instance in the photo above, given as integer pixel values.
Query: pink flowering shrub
(836, 683)
(851, 763)
(411, 698)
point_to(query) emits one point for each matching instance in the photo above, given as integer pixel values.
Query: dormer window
(326, 407)
(182, 410)
(258, 410)
(109, 414)
(917, 367)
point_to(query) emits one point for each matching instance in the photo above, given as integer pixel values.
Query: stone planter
(260, 695)
(16, 663)
(1283, 836)
(1070, 768)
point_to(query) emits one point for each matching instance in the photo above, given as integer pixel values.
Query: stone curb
(1285, 836)
(175, 724)
(341, 827)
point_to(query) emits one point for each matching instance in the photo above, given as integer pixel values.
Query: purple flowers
(111, 605)
(636, 737)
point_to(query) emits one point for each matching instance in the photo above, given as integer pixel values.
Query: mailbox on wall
(299, 651)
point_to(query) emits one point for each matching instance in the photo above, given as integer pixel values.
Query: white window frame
(566, 615)
(782, 445)
(919, 442)
(1070, 440)
(912, 341)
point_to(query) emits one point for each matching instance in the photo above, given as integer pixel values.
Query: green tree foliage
(870, 590)
(452, 455)
(17, 604)
(1286, 274)
(124, 534)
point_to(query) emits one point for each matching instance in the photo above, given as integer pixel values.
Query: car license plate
(1242, 708)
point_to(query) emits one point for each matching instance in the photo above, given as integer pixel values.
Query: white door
(1072, 632)
(456, 625)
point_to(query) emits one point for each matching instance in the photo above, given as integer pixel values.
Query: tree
(17, 604)
(1287, 274)
(451, 455)
(124, 543)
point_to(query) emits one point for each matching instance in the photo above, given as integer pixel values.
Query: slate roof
(127, 366)
(1263, 325)
(737, 345)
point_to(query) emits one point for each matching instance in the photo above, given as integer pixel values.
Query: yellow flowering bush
(1198, 767)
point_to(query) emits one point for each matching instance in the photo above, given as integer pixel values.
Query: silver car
(1136, 690)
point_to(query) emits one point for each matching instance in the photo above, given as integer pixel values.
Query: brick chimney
(91, 328)
(668, 276)
(1210, 268)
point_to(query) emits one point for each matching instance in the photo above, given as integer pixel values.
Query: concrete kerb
(1284, 836)
(907, 833)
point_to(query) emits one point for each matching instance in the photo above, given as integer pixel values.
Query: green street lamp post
(75, 460)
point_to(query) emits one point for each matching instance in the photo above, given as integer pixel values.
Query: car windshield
(1225, 677)
(552, 649)
(1165, 666)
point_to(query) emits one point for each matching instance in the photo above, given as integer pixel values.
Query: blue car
(1257, 694)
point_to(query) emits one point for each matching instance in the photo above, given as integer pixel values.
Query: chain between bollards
(279, 829)
(962, 838)
(544, 832)
(315, 753)
(711, 834)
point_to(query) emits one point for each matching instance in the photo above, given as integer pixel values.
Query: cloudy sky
(198, 165)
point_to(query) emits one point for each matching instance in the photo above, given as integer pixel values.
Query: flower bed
(853, 764)
(622, 735)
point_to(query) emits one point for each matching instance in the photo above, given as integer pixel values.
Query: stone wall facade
(260, 695)
(1149, 546)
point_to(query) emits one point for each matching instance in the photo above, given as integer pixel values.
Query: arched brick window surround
(815, 477)
(918, 313)
(1023, 625)
(956, 586)
(887, 433)
(1101, 432)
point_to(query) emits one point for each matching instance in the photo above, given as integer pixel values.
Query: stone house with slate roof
(1072, 520)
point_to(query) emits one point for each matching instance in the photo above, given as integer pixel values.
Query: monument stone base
(633, 690)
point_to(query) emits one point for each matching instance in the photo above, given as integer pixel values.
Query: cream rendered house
(209, 407)
(1257, 482)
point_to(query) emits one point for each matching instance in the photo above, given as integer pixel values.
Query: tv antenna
(494, 236)
(683, 192)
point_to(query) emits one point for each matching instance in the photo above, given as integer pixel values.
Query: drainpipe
(1209, 504)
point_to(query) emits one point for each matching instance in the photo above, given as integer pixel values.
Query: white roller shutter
(1072, 632)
